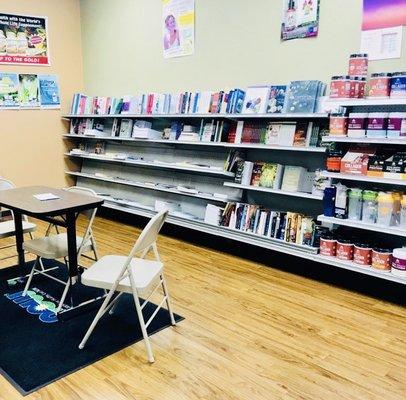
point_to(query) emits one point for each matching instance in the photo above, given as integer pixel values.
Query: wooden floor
(251, 332)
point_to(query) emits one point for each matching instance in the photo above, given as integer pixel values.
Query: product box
(376, 166)
(395, 167)
(356, 160)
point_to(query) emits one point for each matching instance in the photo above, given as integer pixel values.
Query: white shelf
(275, 191)
(229, 116)
(368, 102)
(259, 241)
(392, 230)
(188, 168)
(198, 143)
(144, 186)
(363, 178)
(345, 139)
(357, 268)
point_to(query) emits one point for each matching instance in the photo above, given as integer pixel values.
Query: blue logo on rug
(35, 304)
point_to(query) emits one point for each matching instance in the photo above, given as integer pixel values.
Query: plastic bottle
(402, 222)
(370, 206)
(355, 204)
(385, 208)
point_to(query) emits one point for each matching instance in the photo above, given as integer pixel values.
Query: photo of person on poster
(171, 37)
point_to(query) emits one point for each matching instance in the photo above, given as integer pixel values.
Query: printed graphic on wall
(49, 91)
(178, 20)
(382, 29)
(23, 40)
(9, 90)
(300, 19)
(28, 91)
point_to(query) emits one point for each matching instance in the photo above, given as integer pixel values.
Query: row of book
(297, 134)
(297, 97)
(289, 227)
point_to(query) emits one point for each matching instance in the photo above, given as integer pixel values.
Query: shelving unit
(274, 191)
(141, 163)
(391, 230)
(185, 116)
(345, 139)
(148, 187)
(363, 178)
(368, 102)
(256, 146)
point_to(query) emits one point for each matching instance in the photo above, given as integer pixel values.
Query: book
(293, 177)
(256, 173)
(302, 96)
(276, 99)
(271, 175)
(126, 127)
(256, 100)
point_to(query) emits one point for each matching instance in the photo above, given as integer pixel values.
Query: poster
(300, 19)
(382, 30)
(23, 40)
(28, 91)
(178, 23)
(9, 91)
(49, 91)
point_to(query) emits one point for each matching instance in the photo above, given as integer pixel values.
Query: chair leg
(151, 358)
(64, 294)
(94, 247)
(168, 300)
(96, 319)
(27, 285)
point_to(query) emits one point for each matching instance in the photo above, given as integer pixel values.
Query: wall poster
(23, 40)
(28, 91)
(9, 90)
(300, 19)
(382, 29)
(178, 22)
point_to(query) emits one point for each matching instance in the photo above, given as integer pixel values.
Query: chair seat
(103, 273)
(7, 228)
(54, 246)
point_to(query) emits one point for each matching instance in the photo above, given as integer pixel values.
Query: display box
(356, 160)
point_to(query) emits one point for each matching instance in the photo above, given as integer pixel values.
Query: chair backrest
(149, 234)
(5, 184)
(89, 214)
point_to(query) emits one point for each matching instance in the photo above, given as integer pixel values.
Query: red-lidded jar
(340, 87)
(379, 85)
(358, 64)
(382, 259)
(345, 249)
(362, 254)
(328, 245)
(338, 125)
(333, 162)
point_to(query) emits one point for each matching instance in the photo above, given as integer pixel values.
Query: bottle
(402, 223)
(3, 43)
(355, 204)
(341, 203)
(329, 199)
(22, 43)
(370, 206)
(385, 208)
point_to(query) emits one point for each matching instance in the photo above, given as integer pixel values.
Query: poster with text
(49, 93)
(300, 19)
(23, 40)
(28, 91)
(382, 30)
(9, 90)
(178, 20)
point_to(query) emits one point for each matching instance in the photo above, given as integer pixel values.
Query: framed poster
(24, 40)
(49, 91)
(28, 91)
(300, 19)
(178, 27)
(9, 91)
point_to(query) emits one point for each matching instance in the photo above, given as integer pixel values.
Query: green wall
(237, 44)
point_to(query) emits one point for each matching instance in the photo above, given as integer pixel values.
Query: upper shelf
(363, 178)
(345, 139)
(368, 102)
(257, 146)
(213, 116)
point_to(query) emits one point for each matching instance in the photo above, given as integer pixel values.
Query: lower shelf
(306, 252)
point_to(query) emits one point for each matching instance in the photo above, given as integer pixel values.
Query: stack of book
(303, 96)
(289, 227)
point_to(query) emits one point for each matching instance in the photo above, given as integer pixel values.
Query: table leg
(18, 223)
(72, 247)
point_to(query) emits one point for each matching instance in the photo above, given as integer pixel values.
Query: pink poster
(379, 14)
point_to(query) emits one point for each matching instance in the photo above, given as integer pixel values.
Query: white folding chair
(52, 247)
(7, 228)
(131, 275)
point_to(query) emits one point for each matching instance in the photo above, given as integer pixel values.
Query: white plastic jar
(357, 125)
(399, 262)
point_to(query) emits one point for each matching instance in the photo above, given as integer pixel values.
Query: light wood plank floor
(251, 332)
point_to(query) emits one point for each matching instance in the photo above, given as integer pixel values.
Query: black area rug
(36, 348)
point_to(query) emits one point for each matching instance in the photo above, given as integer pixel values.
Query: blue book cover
(302, 96)
(49, 91)
(239, 101)
(276, 99)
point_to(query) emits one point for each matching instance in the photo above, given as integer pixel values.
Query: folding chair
(7, 228)
(131, 275)
(52, 247)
